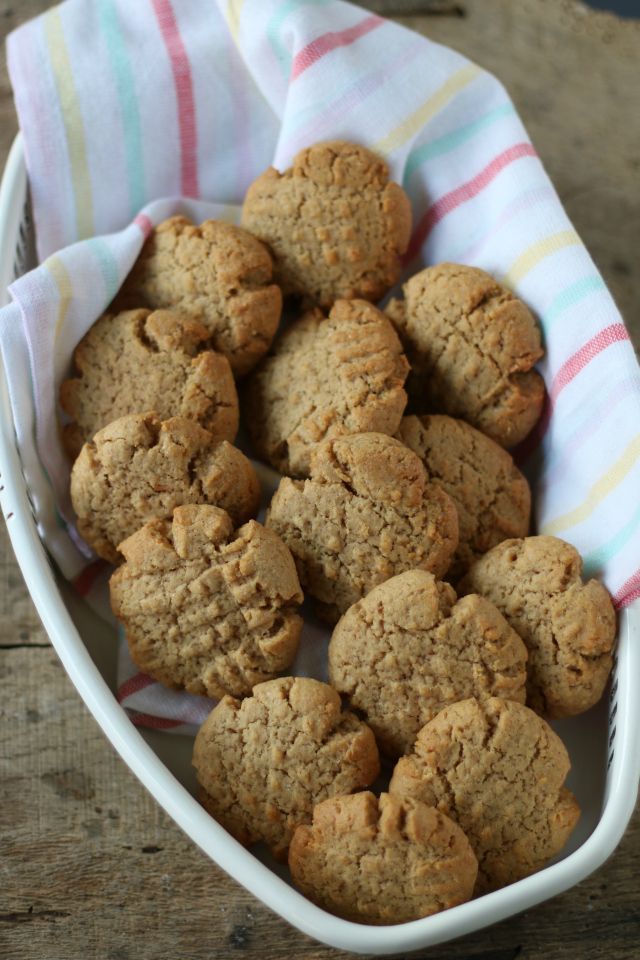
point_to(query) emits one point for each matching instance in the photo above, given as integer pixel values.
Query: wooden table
(90, 866)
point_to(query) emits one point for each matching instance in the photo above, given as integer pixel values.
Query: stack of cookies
(400, 513)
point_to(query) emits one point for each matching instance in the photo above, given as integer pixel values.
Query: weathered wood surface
(89, 865)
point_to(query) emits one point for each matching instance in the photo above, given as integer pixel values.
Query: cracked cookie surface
(382, 860)
(335, 224)
(568, 626)
(492, 497)
(205, 607)
(471, 345)
(264, 762)
(497, 769)
(216, 273)
(327, 377)
(141, 360)
(140, 467)
(367, 513)
(410, 648)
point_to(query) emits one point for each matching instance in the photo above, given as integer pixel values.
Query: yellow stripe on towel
(543, 248)
(73, 122)
(601, 489)
(433, 105)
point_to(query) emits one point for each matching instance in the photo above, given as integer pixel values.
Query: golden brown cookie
(335, 224)
(409, 648)
(141, 360)
(205, 607)
(367, 513)
(215, 273)
(264, 762)
(471, 345)
(497, 769)
(492, 497)
(138, 467)
(382, 860)
(569, 626)
(327, 377)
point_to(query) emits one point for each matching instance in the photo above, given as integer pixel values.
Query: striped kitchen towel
(134, 103)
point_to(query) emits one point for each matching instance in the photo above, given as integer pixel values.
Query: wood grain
(91, 868)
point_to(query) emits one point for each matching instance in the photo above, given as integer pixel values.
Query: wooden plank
(19, 622)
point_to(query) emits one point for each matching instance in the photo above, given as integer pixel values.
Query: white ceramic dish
(604, 744)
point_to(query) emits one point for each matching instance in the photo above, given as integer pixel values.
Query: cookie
(336, 226)
(140, 467)
(497, 769)
(205, 607)
(568, 626)
(410, 648)
(327, 377)
(215, 273)
(492, 497)
(382, 860)
(471, 345)
(367, 513)
(264, 762)
(142, 360)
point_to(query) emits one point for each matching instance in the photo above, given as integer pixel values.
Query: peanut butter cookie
(264, 762)
(335, 224)
(569, 626)
(471, 345)
(492, 497)
(141, 360)
(382, 860)
(215, 273)
(497, 769)
(138, 468)
(367, 513)
(409, 648)
(327, 377)
(207, 608)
